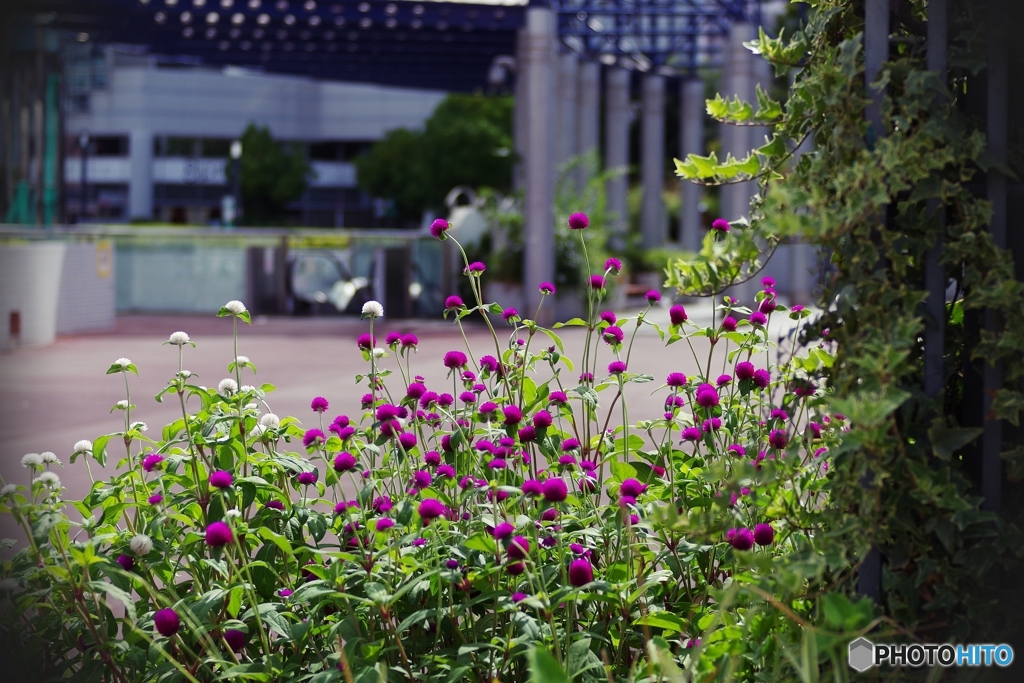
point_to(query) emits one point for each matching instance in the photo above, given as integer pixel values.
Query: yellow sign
(104, 258)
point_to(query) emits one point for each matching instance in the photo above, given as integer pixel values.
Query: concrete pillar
(653, 228)
(140, 186)
(565, 138)
(691, 142)
(538, 62)
(588, 117)
(616, 151)
(520, 110)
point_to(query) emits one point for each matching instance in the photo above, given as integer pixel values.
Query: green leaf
(665, 620)
(118, 594)
(946, 441)
(254, 671)
(544, 668)
(575, 322)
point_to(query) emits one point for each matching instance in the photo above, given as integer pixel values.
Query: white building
(160, 131)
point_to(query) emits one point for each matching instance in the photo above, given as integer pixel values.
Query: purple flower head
(126, 562)
(439, 227)
(344, 461)
(432, 458)
(549, 515)
(588, 465)
(767, 281)
(729, 324)
(737, 449)
(586, 377)
(431, 508)
(723, 380)
(707, 396)
(608, 317)
(385, 523)
(285, 592)
(527, 434)
(235, 639)
(578, 221)
(675, 379)
(415, 390)
(393, 338)
(762, 379)
(446, 470)
(519, 597)
(275, 504)
(453, 302)
(779, 414)
(455, 359)
(532, 487)
(546, 288)
(366, 342)
(558, 398)
(409, 340)
(741, 539)
(452, 563)
(626, 501)
(166, 622)
(515, 568)
(341, 507)
(613, 265)
(419, 542)
(567, 461)
(221, 479)
(475, 268)
(421, 479)
(720, 225)
(307, 478)
(542, 419)
(691, 434)
(312, 437)
(744, 370)
(616, 367)
(344, 433)
(503, 530)
(758, 319)
(549, 541)
(677, 314)
(513, 415)
(554, 490)
(597, 282)
(488, 407)
(711, 424)
(509, 313)
(764, 534)
(796, 308)
(366, 401)
(382, 504)
(446, 443)
(152, 461)
(497, 464)
(489, 363)
(613, 335)
(341, 421)
(658, 470)
(386, 411)
(581, 572)
(407, 440)
(577, 548)
(427, 398)
(570, 444)
(653, 296)
(632, 487)
(777, 438)
(218, 534)
(767, 304)
(587, 483)
(155, 499)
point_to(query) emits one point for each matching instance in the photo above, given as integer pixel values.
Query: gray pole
(568, 76)
(520, 112)
(140, 183)
(588, 116)
(692, 142)
(538, 60)
(652, 164)
(616, 151)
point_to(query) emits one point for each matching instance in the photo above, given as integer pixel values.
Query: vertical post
(588, 118)
(520, 112)
(876, 52)
(996, 119)
(652, 164)
(83, 145)
(692, 142)
(568, 76)
(140, 185)
(616, 151)
(538, 59)
(935, 277)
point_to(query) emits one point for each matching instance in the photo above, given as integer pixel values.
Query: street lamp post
(236, 182)
(83, 144)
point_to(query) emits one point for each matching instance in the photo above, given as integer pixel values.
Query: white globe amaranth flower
(242, 360)
(247, 387)
(48, 457)
(141, 426)
(83, 446)
(251, 406)
(141, 544)
(48, 479)
(227, 386)
(373, 309)
(122, 404)
(31, 460)
(179, 338)
(235, 306)
(185, 374)
(122, 363)
(233, 514)
(378, 352)
(8, 490)
(270, 421)
(257, 431)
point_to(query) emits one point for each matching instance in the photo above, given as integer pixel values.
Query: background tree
(466, 141)
(272, 176)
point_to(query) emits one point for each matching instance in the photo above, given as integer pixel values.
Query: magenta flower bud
(691, 434)
(542, 419)
(612, 335)
(407, 440)
(475, 268)
(431, 508)
(767, 281)
(758, 319)
(439, 227)
(432, 458)
(744, 370)
(767, 304)
(126, 562)
(307, 478)
(707, 397)
(527, 434)
(218, 534)
(155, 499)
(762, 379)
(519, 597)
(235, 639)
(742, 539)
(608, 317)
(720, 225)
(596, 282)
(546, 288)
(319, 404)
(677, 314)
(616, 367)
(653, 296)
(453, 302)
(151, 462)
(549, 515)
(446, 470)
(166, 622)
(675, 379)
(503, 531)
(519, 548)
(581, 572)
(532, 487)
(274, 504)
(409, 340)
(515, 568)
(415, 390)
(578, 221)
(613, 265)
(385, 523)
(711, 424)
(737, 449)
(555, 490)
(221, 479)
(729, 324)
(764, 534)
(513, 415)
(455, 359)
(312, 437)
(382, 504)
(570, 444)
(366, 342)
(777, 438)
(489, 363)
(558, 398)
(509, 313)
(421, 479)
(632, 487)
(723, 380)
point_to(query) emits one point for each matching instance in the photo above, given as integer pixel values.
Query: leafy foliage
(271, 176)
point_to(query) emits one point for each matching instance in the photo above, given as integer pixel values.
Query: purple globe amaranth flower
(409, 340)
(653, 296)
(274, 504)
(777, 438)
(542, 419)
(366, 401)
(546, 288)
(439, 227)
(382, 504)
(446, 470)
(723, 380)
(767, 304)
(519, 597)
(488, 407)
(366, 342)
(415, 390)
(453, 302)
(578, 221)
(221, 479)
(570, 444)
(467, 397)
(707, 396)
(285, 592)
(758, 319)
(513, 415)
(341, 421)
(218, 534)
(613, 265)
(729, 324)
(151, 462)
(764, 534)
(384, 523)
(608, 317)
(431, 508)
(421, 479)
(779, 414)
(407, 440)
(558, 398)
(549, 515)
(455, 359)
(532, 487)
(432, 458)
(518, 548)
(503, 530)
(586, 377)
(549, 541)
(577, 548)
(744, 370)
(319, 404)
(155, 499)
(740, 539)
(567, 461)
(632, 487)
(720, 225)
(167, 622)
(509, 313)
(581, 572)
(235, 639)
(554, 490)
(312, 437)
(126, 562)
(711, 424)
(386, 411)
(428, 398)
(489, 363)
(677, 315)
(527, 434)
(796, 308)
(307, 478)
(475, 268)
(613, 335)
(587, 483)
(691, 434)
(737, 449)
(675, 379)
(616, 367)
(515, 568)
(762, 379)
(419, 542)
(597, 282)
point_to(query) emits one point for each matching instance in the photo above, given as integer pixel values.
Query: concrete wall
(86, 301)
(30, 277)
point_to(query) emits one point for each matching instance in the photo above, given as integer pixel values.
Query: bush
(503, 528)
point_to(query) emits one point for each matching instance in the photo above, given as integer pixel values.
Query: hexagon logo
(861, 655)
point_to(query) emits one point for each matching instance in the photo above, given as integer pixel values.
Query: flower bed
(513, 521)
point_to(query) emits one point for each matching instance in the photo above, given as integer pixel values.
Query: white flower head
(31, 460)
(141, 544)
(186, 374)
(179, 338)
(252, 406)
(270, 421)
(227, 386)
(257, 431)
(48, 479)
(83, 446)
(48, 458)
(233, 514)
(378, 352)
(242, 360)
(373, 309)
(122, 363)
(8, 490)
(141, 426)
(122, 404)
(235, 306)
(247, 387)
